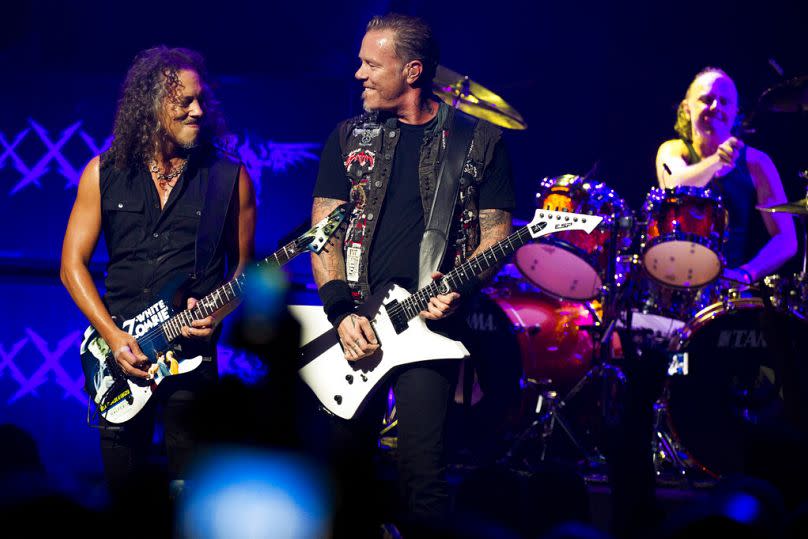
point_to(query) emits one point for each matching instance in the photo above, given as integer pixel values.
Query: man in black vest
(151, 193)
(387, 162)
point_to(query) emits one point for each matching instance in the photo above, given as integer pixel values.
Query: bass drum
(544, 335)
(522, 342)
(739, 370)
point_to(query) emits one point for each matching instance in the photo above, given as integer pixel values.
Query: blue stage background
(597, 83)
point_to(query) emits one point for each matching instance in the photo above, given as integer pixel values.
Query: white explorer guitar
(342, 386)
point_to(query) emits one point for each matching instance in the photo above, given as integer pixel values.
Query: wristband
(337, 300)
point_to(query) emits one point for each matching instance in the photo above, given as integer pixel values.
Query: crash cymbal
(798, 207)
(788, 96)
(474, 99)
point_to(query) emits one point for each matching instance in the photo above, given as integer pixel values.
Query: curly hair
(683, 125)
(153, 78)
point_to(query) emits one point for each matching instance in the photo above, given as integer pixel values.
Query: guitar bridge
(396, 315)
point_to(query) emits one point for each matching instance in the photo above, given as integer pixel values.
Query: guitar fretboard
(226, 293)
(466, 271)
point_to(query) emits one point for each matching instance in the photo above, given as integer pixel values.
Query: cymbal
(788, 96)
(798, 207)
(474, 99)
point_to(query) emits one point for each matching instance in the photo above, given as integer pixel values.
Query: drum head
(744, 372)
(558, 271)
(682, 264)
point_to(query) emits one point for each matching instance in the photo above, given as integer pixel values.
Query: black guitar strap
(436, 233)
(222, 179)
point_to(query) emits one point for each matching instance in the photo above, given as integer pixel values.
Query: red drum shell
(572, 264)
(682, 242)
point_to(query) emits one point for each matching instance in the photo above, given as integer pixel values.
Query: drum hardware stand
(666, 451)
(549, 407)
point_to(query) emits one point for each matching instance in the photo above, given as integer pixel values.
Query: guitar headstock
(549, 221)
(318, 236)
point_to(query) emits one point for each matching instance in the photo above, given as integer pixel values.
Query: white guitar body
(342, 386)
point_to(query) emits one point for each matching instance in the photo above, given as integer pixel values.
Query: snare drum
(573, 264)
(683, 236)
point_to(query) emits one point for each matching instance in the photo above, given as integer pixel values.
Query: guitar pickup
(397, 316)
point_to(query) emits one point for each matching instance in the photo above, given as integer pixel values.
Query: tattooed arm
(495, 225)
(328, 265)
(355, 332)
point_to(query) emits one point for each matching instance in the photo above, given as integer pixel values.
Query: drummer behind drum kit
(732, 347)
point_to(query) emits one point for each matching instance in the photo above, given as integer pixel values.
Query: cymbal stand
(549, 407)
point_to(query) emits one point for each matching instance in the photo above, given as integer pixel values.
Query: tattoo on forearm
(490, 219)
(327, 265)
(495, 225)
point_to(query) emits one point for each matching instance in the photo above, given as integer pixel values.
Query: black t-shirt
(396, 242)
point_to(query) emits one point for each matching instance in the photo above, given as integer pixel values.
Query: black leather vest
(368, 146)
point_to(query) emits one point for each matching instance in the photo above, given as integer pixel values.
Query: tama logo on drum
(741, 338)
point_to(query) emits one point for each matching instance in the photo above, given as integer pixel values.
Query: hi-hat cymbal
(788, 96)
(474, 99)
(798, 207)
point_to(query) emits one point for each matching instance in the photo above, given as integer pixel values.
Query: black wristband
(337, 300)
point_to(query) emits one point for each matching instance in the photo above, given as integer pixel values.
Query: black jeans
(127, 450)
(422, 392)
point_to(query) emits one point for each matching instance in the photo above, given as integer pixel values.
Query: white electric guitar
(342, 386)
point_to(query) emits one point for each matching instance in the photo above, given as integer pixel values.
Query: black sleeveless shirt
(148, 246)
(746, 231)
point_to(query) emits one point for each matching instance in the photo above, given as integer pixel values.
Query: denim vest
(368, 146)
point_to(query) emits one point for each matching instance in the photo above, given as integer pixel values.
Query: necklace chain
(167, 181)
(176, 173)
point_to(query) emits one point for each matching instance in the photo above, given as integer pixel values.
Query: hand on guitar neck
(442, 305)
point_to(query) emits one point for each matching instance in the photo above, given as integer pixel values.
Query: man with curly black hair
(170, 202)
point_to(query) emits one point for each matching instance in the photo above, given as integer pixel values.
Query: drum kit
(732, 348)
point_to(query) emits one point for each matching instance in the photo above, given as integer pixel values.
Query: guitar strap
(436, 234)
(222, 178)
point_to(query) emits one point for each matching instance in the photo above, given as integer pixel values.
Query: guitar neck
(466, 271)
(226, 293)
